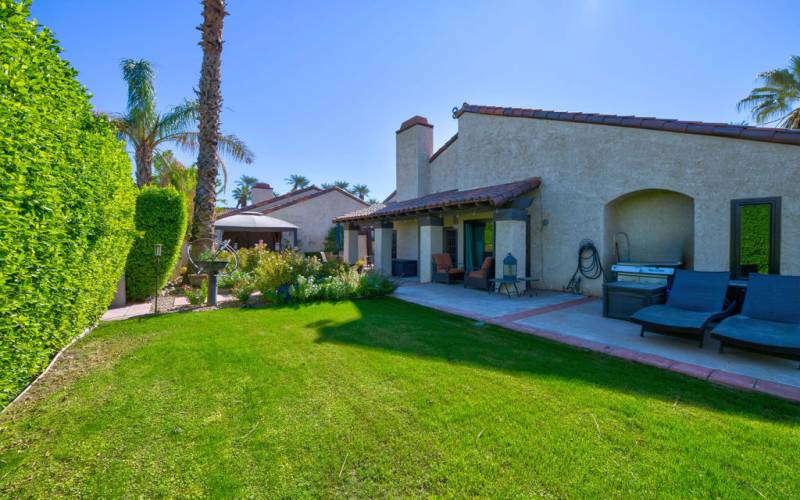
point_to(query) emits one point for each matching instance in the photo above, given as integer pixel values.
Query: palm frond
(140, 75)
(227, 145)
(181, 118)
(777, 96)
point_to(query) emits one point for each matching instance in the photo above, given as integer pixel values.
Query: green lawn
(380, 398)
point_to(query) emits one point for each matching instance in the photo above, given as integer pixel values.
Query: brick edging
(720, 377)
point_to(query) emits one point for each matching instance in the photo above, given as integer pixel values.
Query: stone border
(49, 366)
(720, 377)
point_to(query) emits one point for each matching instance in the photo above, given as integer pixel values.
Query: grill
(657, 273)
(637, 285)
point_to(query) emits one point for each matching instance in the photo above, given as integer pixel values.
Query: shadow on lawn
(401, 327)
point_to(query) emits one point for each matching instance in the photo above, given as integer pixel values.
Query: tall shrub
(160, 219)
(66, 202)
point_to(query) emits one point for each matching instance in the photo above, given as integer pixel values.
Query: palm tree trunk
(210, 100)
(144, 166)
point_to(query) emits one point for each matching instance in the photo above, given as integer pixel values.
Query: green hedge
(160, 218)
(66, 199)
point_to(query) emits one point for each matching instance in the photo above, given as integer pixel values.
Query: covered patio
(469, 225)
(578, 320)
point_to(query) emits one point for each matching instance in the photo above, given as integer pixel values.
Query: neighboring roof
(276, 200)
(763, 134)
(444, 146)
(299, 196)
(494, 196)
(252, 221)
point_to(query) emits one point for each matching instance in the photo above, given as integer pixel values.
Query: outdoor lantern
(158, 250)
(509, 266)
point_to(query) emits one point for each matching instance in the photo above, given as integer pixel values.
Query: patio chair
(770, 319)
(695, 300)
(443, 269)
(480, 279)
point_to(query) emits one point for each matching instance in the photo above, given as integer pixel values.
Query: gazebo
(247, 229)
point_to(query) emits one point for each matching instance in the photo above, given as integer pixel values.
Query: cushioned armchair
(443, 269)
(770, 318)
(480, 278)
(695, 300)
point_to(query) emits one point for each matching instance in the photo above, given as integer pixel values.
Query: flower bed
(289, 276)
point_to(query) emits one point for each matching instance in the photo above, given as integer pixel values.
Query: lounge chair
(443, 269)
(695, 300)
(480, 278)
(770, 318)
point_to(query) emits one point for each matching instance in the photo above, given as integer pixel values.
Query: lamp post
(157, 253)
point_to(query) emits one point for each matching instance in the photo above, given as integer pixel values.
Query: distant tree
(341, 184)
(372, 201)
(297, 181)
(326, 185)
(778, 97)
(146, 129)
(360, 190)
(243, 192)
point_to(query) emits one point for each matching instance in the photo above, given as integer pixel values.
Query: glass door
(478, 243)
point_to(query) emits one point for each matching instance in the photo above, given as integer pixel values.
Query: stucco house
(536, 183)
(299, 218)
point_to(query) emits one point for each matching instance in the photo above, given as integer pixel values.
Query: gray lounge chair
(770, 318)
(695, 300)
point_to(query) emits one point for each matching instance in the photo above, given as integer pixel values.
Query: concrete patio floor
(578, 320)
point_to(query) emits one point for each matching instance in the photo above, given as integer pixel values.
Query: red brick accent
(414, 120)
(779, 390)
(733, 380)
(544, 310)
(763, 134)
(728, 379)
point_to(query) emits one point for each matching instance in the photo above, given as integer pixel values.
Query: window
(755, 236)
(451, 243)
(394, 244)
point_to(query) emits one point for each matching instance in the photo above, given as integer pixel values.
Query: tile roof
(276, 200)
(763, 134)
(280, 202)
(414, 120)
(494, 196)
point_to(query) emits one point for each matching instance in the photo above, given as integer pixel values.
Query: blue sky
(319, 87)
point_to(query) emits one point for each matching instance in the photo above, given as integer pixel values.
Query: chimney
(262, 192)
(414, 148)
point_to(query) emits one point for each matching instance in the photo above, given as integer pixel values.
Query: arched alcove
(650, 225)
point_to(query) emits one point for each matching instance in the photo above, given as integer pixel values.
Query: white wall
(407, 239)
(584, 167)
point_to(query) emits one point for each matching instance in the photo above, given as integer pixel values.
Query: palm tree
(297, 181)
(341, 184)
(326, 185)
(146, 129)
(360, 190)
(778, 97)
(209, 104)
(244, 190)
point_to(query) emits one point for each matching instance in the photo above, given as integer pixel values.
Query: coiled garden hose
(589, 266)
